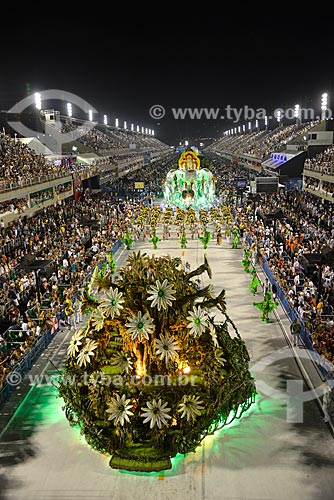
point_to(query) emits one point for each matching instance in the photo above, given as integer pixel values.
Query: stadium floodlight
(297, 112)
(116, 122)
(90, 115)
(324, 104)
(249, 125)
(278, 116)
(235, 130)
(146, 131)
(69, 110)
(142, 130)
(125, 126)
(138, 129)
(186, 143)
(244, 128)
(266, 121)
(38, 101)
(256, 123)
(153, 133)
(132, 127)
(105, 119)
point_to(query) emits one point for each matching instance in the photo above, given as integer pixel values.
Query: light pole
(324, 104)
(297, 114)
(38, 105)
(69, 112)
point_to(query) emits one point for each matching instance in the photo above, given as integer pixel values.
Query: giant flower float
(153, 373)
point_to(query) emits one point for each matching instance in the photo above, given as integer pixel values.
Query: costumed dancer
(155, 239)
(266, 306)
(246, 261)
(127, 241)
(183, 240)
(205, 239)
(235, 238)
(255, 282)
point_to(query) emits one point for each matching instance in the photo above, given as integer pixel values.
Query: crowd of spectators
(113, 140)
(60, 234)
(261, 143)
(21, 166)
(306, 227)
(321, 162)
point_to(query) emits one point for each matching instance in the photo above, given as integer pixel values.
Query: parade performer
(235, 238)
(246, 261)
(155, 239)
(205, 239)
(183, 240)
(267, 305)
(255, 282)
(127, 240)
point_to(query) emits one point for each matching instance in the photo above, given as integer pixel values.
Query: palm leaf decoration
(88, 302)
(101, 279)
(138, 261)
(218, 301)
(201, 269)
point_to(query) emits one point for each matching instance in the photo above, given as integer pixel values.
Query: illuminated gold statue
(189, 161)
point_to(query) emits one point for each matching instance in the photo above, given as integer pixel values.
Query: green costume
(183, 240)
(127, 241)
(255, 282)
(235, 238)
(155, 239)
(205, 238)
(266, 306)
(246, 262)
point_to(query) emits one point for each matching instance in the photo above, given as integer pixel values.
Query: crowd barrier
(26, 363)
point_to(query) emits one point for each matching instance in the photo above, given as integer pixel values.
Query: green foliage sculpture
(152, 373)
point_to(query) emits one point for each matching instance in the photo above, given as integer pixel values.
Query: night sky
(124, 61)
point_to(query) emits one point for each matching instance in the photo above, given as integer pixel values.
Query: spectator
(295, 329)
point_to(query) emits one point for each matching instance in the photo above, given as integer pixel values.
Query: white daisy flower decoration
(120, 409)
(166, 348)
(113, 306)
(190, 407)
(140, 326)
(122, 360)
(75, 343)
(156, 413)
(84, 356)
(161, 294)
(198, 321)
